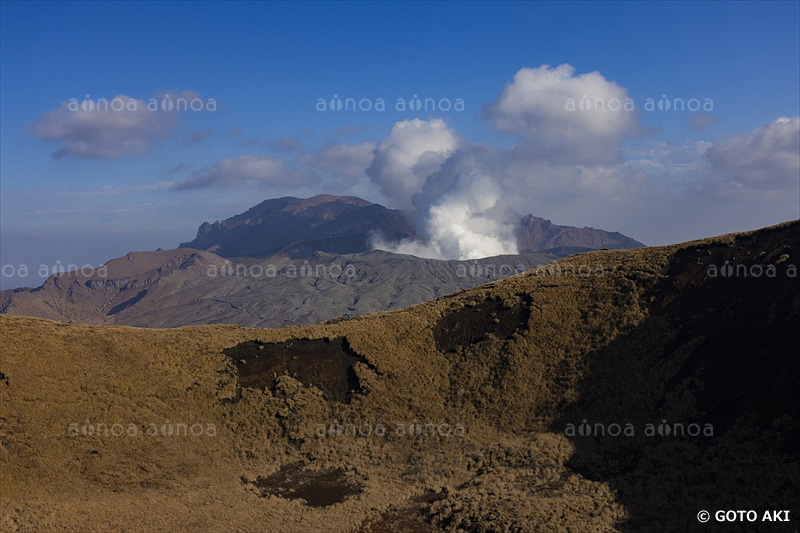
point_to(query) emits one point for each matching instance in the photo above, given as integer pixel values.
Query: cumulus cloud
(102, 131)
(348, 160)
(767, 159)
(247, 170)
(563, 117)
(413, 151)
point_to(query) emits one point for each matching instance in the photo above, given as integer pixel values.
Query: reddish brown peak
(530, 220)
(135, 263)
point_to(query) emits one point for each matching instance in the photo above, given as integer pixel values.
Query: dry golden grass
(619, 345)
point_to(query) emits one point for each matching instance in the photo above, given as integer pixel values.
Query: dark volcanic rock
(472, 324)
(322, 363)
(536, 234)
(318, 489)
(299, 227)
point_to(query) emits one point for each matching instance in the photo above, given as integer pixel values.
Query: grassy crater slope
(494, 409)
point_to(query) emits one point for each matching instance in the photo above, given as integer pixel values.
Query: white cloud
(115, 127)
(767, 159)
(413, 151)
(564, 117)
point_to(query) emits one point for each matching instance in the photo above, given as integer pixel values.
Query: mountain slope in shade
(184, 287)
(333, 224)
(499, 406)
(342, 225)
(536, 234)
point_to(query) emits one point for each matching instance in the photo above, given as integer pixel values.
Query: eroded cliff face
(535, 234)
(614, 390)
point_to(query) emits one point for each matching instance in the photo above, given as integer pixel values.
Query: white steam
(462, 223)
(414, 150)
(465, 195)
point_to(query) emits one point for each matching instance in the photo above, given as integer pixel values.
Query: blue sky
(265, 65)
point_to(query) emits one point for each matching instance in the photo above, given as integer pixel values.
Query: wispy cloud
(702, 121)
(180, 167)
(346, 160)
(284, 143)
(248, 170)
(115, 127)
(194, 137)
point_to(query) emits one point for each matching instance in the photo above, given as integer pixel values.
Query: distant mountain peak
(300, 226)
(343, 224)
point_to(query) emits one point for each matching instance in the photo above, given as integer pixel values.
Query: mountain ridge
(338, 224)
(279, 236)
(344, 224)
(539, 234)
(185, 286)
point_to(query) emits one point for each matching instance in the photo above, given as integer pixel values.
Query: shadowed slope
(298, 227)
